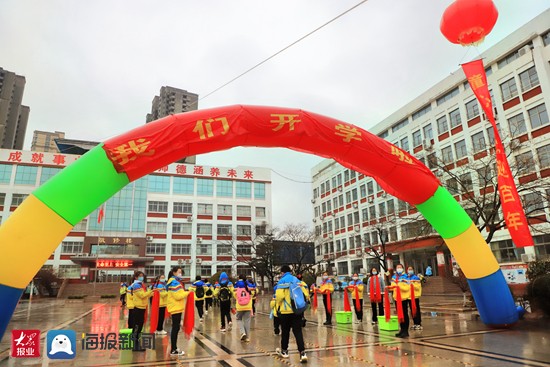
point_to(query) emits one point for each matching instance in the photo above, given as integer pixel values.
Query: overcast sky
(93, 67)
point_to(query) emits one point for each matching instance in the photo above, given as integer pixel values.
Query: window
(224, 249)
(478, 141)
(546, 38)
(183, 208)
(538, 116)
(466, 181)
(517, 125)
(344, 245)
(205, 187)
(509, 89)
(182, 228)
(224, 229)
(350, 219)
(156, 227)
(525, 163)
(472, 109)
(5, 173)
(372, 212)
(159, 183)
(338, 246)
(25, 175)
(447, 96)
(544, 156)
(400, 125)
(447, 154)
(452, 186)
(421, 112)
(204, 209)
(364, 214)
(529, 79)
(184, 185)
(204, 249)
(356, 219)
(405, 144)
(69, 271)
(158, 206)
(348, 197)
(47, 173)
(432, 161)
(181, 249)
(224, 188)
(363, 191)
(244, 211)
(417, 138)
(155, 249)
(342, 222)
(346, 175)
(460, 149)
(454, 116)
(384, 134)
(260, 212)
(71, 247)
(401, 205)
(491, 134)
(203, 228)
(533, 203)
(225, 210)
(261, 230)
(442, 126)
(382, 209)
(153, 271)
(244, 249)
(244, 189)
(339, 177)
(17, 199)
(507, 59)
(506, 251)
(353, 195)
(80, 226)
(428, 132)
(391, 206)
(370, 188)
(259, 190)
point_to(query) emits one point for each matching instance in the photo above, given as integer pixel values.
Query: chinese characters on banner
(114, 263)
(25, 343)
(511, 204)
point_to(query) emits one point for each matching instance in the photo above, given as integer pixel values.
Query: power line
(282, 50)
(290, 179)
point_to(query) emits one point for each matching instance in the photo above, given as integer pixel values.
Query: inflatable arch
(71, 195)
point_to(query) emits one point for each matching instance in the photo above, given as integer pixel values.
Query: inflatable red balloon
(467, 22)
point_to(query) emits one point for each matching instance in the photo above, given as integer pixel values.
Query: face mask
(374, 272)
(411, 272)
(355, 278)
(140, 279)
(163, 280)
(399, 270)
(325, 277)
(178, 276)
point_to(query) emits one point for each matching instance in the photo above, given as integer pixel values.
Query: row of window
(204, 229)
(200, 249)
(205, 209)
(25, 175)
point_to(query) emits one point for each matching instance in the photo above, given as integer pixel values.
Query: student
(399, 279)
(130, 305)
(223, 293)
(141, 296)
(177, 296)
(208, 296)
(375, 289)
(287, 317)
(254, 290)
(272, 303)
(161, 288)
(353, 284)
(429, 271)
(304, 284)
(200, 291)
(215, 300)
(326, 288)
(122, 291)
(415, 282)
(243, 304)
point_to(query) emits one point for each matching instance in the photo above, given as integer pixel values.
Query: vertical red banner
(509, 198)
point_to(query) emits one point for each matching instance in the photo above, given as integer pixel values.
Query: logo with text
(25, 343)
(61, 344)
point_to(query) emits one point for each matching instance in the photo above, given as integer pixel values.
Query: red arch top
(154, 145)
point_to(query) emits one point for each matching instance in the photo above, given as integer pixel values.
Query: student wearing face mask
(399, 279)
(163, 295)
(141, 296)
(415, 282)
(375, 288)
(177, 296)
(357, 283)
(327, 288)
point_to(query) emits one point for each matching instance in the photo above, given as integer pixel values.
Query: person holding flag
(122, 291)
(375, 289)
(163, 295)
(416, 292)
(141, 296)
(326, 289)
(355, 288)
(176, 304)
(402, 297)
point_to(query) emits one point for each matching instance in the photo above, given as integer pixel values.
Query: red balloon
(467, 22)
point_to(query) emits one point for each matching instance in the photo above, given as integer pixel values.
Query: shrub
(77, 296)
(538, 292)
(108, 296)
(538, 268)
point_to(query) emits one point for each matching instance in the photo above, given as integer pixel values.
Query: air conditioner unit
(188, 261)
(199, 261)
(371, 200)
(314, 220)
(313, 201)
(330, 235)
(189, 219)
(199, 240)
(527, 258)
(355, 205)
(357, 228)
(359, 253)
(340, 188)
(384, 195)
(438, 172)
(149, 238)
(427, 144)
(524, 50)
(180, 261)
(322, 217)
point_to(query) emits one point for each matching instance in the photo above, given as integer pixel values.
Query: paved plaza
(447, 340)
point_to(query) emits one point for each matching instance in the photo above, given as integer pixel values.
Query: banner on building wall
(509, 198)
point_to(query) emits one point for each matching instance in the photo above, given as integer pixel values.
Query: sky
(92, 68)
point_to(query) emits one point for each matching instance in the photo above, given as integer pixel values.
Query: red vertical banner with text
(509, 198)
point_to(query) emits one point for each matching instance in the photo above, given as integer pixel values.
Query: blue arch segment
(10, 297)
(494, 300)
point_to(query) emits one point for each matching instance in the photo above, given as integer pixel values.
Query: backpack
(243, 297)
(225, 294)
(199, 292)
(298, 300)
(209, 292)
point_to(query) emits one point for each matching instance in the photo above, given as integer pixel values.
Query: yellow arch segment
(27, 237)
(473, 254)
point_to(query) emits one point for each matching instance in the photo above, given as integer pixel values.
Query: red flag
(516, 222)
(387, 308)
(413, 302)
(357, 301)
(189, 316)
(154, 312)
(400, 315)
(100, 215)
(329, 305)
(346, 300)
(315, 304)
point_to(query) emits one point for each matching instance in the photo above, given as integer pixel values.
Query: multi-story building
(13, 115)
(44, 141)
(171, 101)
(446, 124)
(197, 216)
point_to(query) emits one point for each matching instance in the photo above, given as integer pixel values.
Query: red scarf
(375, 295)
(357, 301)
(347, 307)
(387, 308)
(315, 299)
(154, 312)
(413, 303)
(189, 316)
(400, 316)
(329, 305)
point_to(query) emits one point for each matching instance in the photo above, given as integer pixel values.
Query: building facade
(44, 141)
(352, 214)
(13, 115)
(199, 217)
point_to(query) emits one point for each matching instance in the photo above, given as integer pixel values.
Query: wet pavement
(451, 340)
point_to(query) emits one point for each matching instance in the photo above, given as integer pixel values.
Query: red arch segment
(154, 145)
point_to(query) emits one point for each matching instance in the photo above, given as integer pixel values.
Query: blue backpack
(297, 298)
